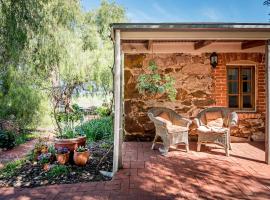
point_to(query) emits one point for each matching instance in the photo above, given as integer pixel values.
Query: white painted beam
(267, 120)
(195, 35)
(117, 161)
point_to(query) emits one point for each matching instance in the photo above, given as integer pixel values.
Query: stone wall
(198, 86)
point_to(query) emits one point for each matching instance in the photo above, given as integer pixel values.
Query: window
(241, 82)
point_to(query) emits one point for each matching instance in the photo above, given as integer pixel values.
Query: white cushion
(175, 128)
(207, 129)
(215, 123)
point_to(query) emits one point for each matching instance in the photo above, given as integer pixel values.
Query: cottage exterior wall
(198, 86)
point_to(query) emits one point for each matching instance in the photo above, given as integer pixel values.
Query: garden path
(19, 151)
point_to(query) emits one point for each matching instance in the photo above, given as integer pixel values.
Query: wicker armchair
(219, 132)
(171, 127)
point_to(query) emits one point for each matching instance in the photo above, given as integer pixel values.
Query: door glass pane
(233, 101)
(246, 74)
(232, 74)
(247, 102)
(246, 87)
(233, 87)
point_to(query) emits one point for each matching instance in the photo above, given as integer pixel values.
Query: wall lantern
(214, 59)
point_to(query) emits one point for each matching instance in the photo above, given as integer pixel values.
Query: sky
(191, 10)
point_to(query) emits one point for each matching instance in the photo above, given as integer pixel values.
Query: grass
(24, 137)
(10, 168)
(58, 170)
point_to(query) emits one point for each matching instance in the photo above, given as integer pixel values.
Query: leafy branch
(154, 83)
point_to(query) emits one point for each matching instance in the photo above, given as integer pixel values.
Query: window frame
(240, 93)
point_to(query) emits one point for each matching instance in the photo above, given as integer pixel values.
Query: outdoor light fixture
(214, 59)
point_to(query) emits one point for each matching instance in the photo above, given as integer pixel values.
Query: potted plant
(40, 147)
(62, 155)
(81, 155)
(68, 136)
(156, 85)
(44, 159)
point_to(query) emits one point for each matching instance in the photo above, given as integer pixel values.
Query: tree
(52, 47)
(101, 19)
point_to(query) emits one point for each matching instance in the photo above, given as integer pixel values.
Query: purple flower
(62, 150)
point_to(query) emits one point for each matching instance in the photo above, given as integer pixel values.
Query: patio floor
(148, 175)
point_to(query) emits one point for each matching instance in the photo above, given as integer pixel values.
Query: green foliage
(11, 168)
(97, 129)
(19, 100)
(23, 137)
(58, 170)
(68, 120)
(103, 111)
(51, 150)
(154, 83)
(44, 46)
(7, 139)
(82, 149)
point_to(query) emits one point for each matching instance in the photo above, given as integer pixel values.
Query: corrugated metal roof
(190, 26)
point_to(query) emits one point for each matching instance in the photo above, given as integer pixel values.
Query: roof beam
(251, 44)
(149, 44)
(201, 44)
(194, 35)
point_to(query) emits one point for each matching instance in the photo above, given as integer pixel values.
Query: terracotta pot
(62, 158)
(46, 167)
(81, 158)
(71, 144)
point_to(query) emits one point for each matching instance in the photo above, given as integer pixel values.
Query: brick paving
(148, 175)
(16, 153)
(20, 151)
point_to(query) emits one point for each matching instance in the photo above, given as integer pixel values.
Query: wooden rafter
(149, 44)
(201, 44)
(251, 44)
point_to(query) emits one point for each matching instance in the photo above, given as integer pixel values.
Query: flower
(44, 158)
(62, 150)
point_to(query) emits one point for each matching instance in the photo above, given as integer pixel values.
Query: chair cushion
(176, 129)
(214, 119)
(206, 129)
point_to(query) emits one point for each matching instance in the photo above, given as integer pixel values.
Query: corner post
(267, 117)
(117, 155)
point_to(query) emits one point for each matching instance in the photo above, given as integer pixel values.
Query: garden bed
(30, 174)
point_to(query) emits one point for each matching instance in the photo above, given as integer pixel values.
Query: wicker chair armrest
(233, 120)
(157, 122)
(189, 122)
(197, 122)
(178, 117)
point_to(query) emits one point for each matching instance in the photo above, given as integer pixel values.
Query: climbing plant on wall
(154, 83)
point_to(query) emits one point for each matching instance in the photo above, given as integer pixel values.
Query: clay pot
(62, 158)
(81, 158)
(46, 167)
(71, 144)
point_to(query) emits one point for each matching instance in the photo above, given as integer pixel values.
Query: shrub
(103, 111)
(97, 129)
(58, 170)
(10, 169)
(19, 100)
(7, 139)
